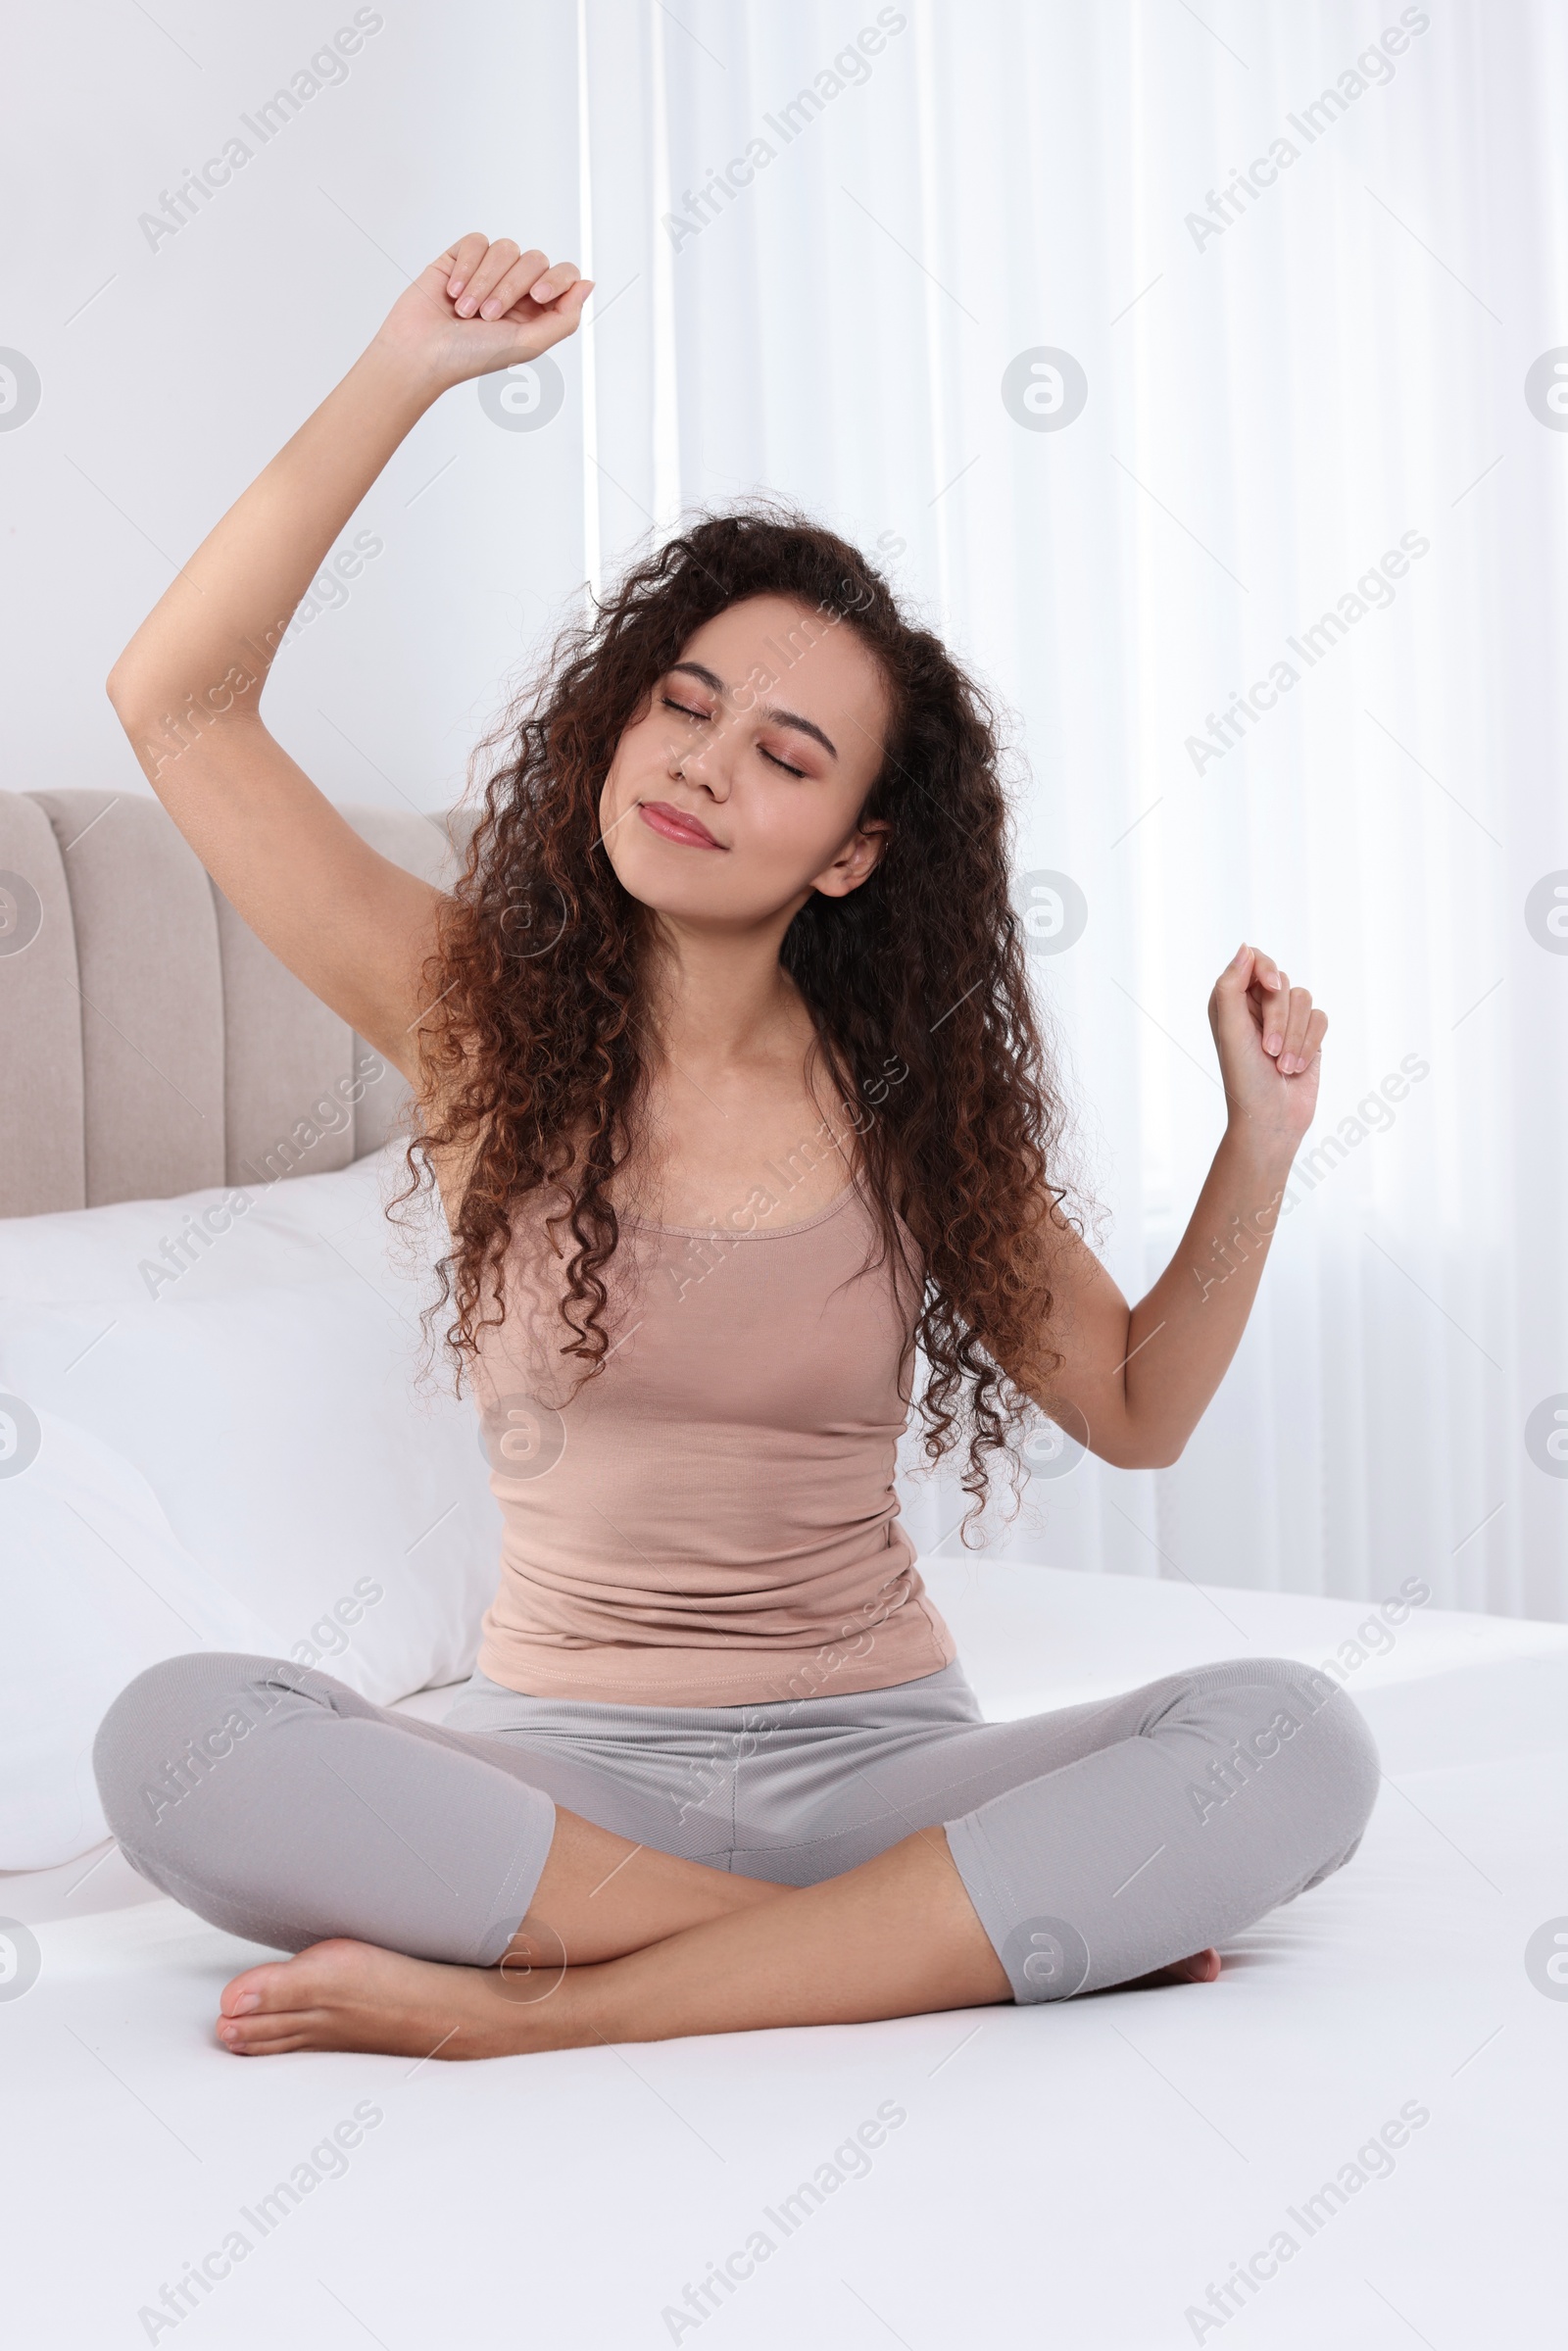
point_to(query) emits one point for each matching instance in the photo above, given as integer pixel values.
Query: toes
(1199, 1967)
(258, 1987)
(350, 1995)
(262, 2035)
(296, 2003)
(279, 1983)
(279, 2046)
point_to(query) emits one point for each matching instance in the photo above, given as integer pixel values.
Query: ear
(855, 862)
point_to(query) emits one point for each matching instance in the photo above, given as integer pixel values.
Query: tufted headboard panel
(150, 1045)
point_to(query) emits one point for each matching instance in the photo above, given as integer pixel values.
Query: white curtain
(1323, 369)
(1285, 379)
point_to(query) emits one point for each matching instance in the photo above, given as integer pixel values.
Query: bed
(1352, 2136)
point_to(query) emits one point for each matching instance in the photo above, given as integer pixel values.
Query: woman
(727, 1073)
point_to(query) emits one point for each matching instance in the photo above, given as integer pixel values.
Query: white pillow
(214, 1439)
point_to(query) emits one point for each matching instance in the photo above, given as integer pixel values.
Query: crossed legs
(617, 1941)
(897, 1936)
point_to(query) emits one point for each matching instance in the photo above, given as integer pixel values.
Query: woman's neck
(721, 1000)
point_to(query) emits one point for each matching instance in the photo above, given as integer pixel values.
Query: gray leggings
(1097, 1843)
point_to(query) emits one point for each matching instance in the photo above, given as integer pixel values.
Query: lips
(673, 825)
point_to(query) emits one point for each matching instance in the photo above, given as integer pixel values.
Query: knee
(1337, 1756)
(171, 1727)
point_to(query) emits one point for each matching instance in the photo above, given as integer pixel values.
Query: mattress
(1354, 2136)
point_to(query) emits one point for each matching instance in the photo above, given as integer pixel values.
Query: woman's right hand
(482, 307)
(356, 928)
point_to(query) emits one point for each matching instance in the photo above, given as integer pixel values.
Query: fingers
(1317, 1030)
(493, 284)
(1290, 1029)
(567, 309)
(522, 280)
(1271, 992)
(554, 283)
(1297, 1013)
(486, 279)
(488, 272)
(543, 323)
(462, 259)
(1293, 1029)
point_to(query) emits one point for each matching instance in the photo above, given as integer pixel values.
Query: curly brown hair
(533, 1054)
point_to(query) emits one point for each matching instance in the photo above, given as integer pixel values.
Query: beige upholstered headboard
(150, 1045)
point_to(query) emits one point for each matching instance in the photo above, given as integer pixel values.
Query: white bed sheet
(1076, 2176)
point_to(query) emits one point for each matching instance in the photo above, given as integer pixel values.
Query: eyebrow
(775, 717)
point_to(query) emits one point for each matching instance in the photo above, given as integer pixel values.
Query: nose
(709, 764)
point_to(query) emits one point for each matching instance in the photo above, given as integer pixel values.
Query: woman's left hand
(1269, 1037)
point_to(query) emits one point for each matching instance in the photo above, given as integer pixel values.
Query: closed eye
(703, 718)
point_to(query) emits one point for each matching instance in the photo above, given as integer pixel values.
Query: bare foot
(352, 1996)
(1202, 1968)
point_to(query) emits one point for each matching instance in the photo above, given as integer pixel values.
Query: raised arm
(1136, 1382)
(353, 926)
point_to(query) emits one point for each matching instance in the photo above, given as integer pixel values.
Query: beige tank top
(711, 1520)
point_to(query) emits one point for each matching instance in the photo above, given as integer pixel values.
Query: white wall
(1270, 408)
